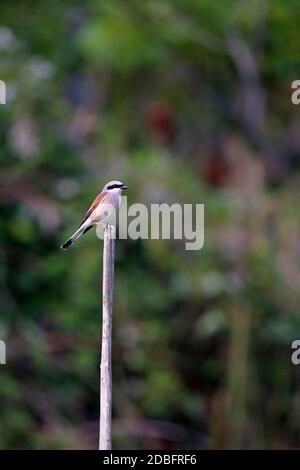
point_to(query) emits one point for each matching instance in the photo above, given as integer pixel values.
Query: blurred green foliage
(186, 102)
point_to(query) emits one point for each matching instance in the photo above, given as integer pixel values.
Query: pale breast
(107, 207)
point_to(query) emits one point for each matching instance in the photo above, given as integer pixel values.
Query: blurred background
(185, 101)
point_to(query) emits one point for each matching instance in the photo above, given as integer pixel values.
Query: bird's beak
(124, 186)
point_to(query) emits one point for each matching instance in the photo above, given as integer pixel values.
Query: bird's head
(111, 185)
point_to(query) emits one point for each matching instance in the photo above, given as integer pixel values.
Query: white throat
(115, 196)
(116, 191)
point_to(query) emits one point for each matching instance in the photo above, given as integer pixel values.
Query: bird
(107, 201)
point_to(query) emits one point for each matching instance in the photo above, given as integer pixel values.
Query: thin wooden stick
(106, 366)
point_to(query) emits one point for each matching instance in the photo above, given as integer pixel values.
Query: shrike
(103, 206)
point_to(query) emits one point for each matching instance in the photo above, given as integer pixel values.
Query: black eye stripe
(113, 186)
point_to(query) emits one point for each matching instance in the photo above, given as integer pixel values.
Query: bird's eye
(113, 186)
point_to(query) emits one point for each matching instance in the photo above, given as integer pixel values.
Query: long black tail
(75, 236)
(68, 243)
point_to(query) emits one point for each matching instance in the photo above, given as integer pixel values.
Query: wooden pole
(106, 366)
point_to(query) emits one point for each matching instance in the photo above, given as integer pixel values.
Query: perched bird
(103, 205)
